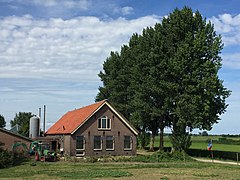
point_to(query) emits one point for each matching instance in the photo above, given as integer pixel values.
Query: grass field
(120, 170)
(200, 142)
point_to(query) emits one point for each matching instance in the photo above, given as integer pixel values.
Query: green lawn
(200, 142)
(121, 170)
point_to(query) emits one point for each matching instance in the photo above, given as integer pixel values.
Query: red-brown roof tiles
(73, 119)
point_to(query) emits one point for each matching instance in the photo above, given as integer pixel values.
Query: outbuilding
(9, 138)
(95, 130)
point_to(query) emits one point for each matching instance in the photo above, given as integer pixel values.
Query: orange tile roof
(73, 119)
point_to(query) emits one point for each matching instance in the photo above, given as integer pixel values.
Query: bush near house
(9, 158)
(6, 157)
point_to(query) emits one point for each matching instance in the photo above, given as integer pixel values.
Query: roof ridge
(102, 101)
(72, 119)
(15, 134)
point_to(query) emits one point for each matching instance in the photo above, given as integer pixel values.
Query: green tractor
(42, 151)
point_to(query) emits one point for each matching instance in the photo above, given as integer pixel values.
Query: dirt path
(217, 161)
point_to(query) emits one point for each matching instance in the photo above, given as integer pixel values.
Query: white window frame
(94, 143)
(101, 123)
(113, 144)
(84, 142)
(131, 142)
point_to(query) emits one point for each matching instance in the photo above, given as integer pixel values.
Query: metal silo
(34, 130)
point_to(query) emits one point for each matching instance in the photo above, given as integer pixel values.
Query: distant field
(200, 142)
(122, 170)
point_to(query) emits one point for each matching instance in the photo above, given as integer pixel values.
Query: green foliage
(216, 154)
(201, 142)
(204, 133)
(181, 142)
(225, 140)
(168, 74)
(143, 139)
(22, 119)
(163, 157)
(6, 157)
(2, 121)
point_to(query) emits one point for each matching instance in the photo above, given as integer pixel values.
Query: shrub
(9, 158)
(162, 157)
(6, 158)
(143, 139)
(224, 140)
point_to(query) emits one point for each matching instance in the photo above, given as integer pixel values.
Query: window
(80, 142)
(109, 143)
(97, 143)
(127, 143)
(104, 123)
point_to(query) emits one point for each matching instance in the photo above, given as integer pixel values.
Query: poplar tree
(168, 76)
(197, 95)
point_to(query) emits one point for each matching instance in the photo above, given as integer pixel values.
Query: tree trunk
(152, 142)
(161, 127)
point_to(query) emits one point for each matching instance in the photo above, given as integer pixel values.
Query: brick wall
(9, 139)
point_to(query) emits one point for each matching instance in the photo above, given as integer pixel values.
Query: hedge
(206, 153)
(216, 154)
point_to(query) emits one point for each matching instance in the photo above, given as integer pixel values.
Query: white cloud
(124, 11)
(81, 4)
(127, 10)
(48, 3)
(57, 48)
(229, 27)
(231, 60)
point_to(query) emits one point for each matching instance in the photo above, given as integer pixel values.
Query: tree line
(167, 76)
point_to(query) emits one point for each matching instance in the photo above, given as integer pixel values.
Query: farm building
(95, 130)
(9, 138)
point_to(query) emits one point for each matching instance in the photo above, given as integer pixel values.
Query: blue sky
(52, 50)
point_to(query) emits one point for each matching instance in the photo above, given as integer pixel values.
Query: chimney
(39, 115)
(44, 118)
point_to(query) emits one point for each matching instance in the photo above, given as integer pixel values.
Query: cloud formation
(229, 27)
(58, 48)
(124, 11)
(70, 4)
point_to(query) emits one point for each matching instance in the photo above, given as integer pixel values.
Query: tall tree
(2, 121)
(168, 76)
(22, 119)
(115, 77)
(198, 95)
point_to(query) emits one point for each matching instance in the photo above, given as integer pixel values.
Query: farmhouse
(95, 130)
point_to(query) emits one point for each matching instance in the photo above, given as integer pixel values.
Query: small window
(109, 143)
(108, 124)
(80, 142)
(127, 143)
(97, 143)
(104, 123)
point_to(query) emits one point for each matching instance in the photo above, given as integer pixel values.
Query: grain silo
(34, 129)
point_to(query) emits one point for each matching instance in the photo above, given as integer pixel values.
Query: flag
(209, 147)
